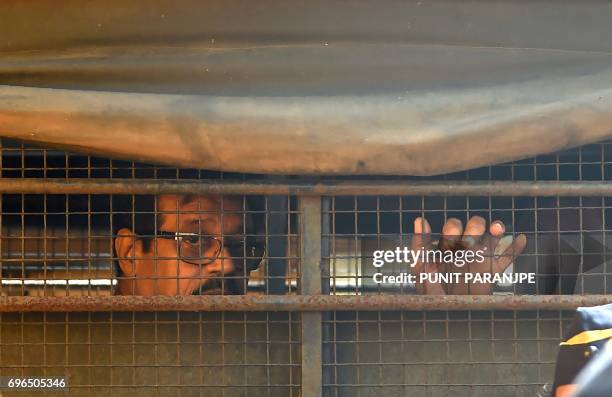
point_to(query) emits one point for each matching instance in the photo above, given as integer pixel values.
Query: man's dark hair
(136, 213)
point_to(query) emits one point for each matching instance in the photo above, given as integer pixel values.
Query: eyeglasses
(200, 249)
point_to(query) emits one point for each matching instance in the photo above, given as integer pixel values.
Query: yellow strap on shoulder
(588, 337)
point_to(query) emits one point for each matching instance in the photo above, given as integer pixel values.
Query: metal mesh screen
(458, 353)
(568, 238)
(57, 245)
(155, 354)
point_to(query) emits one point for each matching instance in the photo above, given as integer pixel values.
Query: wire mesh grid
(65, 244)
(568, 238)
(154, 354)
(56, 244)
(442, 353)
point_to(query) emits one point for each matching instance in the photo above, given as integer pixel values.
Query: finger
(474, 230)
(420, 240)
(491, 239)
(422, 234)
(497, 228)
(451, 233)
(507, 257)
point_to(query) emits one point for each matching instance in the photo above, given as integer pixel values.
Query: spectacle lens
(199, 250)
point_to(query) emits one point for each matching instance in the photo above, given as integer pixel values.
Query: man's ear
(127, 247)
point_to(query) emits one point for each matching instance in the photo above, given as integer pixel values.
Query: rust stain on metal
(297, 303)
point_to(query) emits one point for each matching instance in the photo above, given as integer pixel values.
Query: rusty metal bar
(303, 303)
(329, 188)
(312, 336)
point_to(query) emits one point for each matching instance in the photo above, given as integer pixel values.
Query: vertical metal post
(310, 248)
(326, 243)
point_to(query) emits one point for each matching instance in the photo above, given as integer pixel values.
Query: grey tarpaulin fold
(314, 87)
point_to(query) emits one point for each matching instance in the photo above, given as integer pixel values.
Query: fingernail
(500, 224)
(418, 225)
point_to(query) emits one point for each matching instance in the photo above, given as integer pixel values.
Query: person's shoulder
(595, 317)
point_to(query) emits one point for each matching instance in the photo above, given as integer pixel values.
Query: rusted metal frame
(310, 280)
(329, 188)
(298, 303)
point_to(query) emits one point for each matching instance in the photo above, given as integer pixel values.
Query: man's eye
(198, 242)
(194, 240)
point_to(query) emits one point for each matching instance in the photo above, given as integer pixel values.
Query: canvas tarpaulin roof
(319, 87)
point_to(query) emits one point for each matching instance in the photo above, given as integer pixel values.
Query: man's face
(158, 269)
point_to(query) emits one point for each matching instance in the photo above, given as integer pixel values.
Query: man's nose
(224, 265)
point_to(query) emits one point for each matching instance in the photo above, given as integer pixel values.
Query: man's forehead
(192, 213)
(192, 202)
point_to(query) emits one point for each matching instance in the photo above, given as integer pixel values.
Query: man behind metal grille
(185, 244)
(194, 244)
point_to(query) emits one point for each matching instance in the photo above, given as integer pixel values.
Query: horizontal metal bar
(298, 303)
(327, 188)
